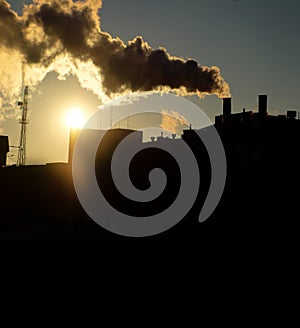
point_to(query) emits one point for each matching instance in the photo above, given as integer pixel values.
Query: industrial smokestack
(263, 105)
(227, 109)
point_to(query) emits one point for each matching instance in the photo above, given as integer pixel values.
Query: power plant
(261, 192)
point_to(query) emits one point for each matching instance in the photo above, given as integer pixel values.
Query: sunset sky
(255, 43)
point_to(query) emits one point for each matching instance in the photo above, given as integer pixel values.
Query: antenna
(23, 122)
(24, 108)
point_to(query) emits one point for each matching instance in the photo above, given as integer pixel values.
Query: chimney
(227, 107)
(263, 105)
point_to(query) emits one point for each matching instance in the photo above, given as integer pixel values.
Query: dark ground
(40, 203)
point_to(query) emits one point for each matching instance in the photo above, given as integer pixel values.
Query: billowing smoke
(66, 37)
(174, 122)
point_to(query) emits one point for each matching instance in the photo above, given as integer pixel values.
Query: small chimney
(263, 105)
(227, 107)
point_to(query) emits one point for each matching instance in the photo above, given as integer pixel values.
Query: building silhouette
(259, 138)
(4, 149)
(261, 193)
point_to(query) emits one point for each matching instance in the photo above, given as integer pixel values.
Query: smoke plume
(174, 122)
(66, 37)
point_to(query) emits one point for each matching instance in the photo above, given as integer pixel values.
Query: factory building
(258, 137)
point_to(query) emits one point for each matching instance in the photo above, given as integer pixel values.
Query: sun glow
(75, 119)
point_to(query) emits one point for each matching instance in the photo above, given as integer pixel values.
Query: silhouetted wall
(4, 149)
(109, 137)
(74, 133)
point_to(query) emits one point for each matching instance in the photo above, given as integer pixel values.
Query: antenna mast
(23, 122)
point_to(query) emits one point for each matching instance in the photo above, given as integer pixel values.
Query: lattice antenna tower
(23, 122)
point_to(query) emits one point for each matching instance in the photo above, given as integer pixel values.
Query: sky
(255, 43)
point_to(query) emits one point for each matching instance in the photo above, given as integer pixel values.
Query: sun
(75, 119)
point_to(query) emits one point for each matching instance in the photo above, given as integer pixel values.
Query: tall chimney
(227, 106)
(263, 105)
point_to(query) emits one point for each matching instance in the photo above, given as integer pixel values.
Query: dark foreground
(40, 203)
